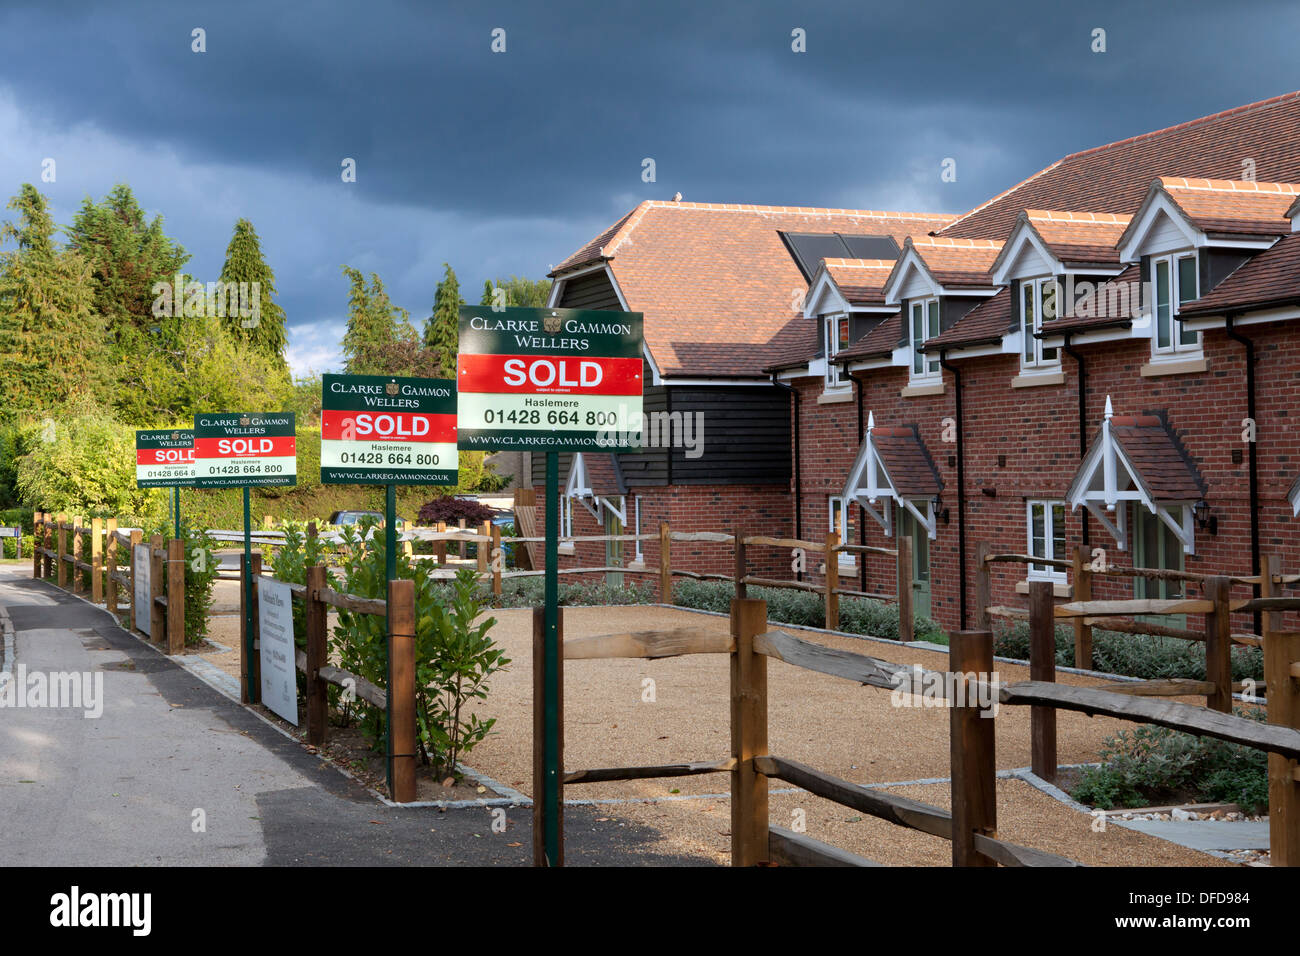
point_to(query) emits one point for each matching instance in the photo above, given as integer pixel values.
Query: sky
(504, 161)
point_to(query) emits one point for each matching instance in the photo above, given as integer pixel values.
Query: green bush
(290, 564)
(1149, 765)
(530, 592)
(453, 655)
(1147, 656)
(806, 609)
(200, 575)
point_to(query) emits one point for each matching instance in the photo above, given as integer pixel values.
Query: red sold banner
(265, 446)
(549, 374)
(348, 425)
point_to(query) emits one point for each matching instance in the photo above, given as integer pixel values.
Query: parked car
(356, 517)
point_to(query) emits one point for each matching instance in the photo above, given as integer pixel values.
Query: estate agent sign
(164, 458)
(235, 450)
(549, 379)
(380, 430)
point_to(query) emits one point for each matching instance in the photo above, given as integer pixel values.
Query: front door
(613, 550)
(909, 526)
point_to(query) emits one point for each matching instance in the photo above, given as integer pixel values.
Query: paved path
(122, 789)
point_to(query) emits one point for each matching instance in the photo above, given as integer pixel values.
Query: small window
(840, 518)
(1045, 521)
(837, 340)
(923, 325)
(566, 516)
(1038, 304)
(1173, 285)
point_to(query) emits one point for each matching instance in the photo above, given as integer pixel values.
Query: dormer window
(1174, 284)
(837, 340)
(923, 325)
(1038, 304)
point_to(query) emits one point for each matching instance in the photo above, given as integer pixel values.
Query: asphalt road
(129, 787)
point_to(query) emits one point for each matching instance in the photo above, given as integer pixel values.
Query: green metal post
(551, 663)
(250, 676)
(390, 574)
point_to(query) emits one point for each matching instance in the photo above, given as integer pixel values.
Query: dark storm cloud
(555, 129)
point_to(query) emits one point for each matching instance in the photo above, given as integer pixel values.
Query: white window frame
(1176, 348)
(848, 561)
(1044, 572)
(636, 510)
(930, 371)
(831, 325)
(1031, 348)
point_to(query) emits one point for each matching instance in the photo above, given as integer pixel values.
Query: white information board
(275, 632)
(140, 609)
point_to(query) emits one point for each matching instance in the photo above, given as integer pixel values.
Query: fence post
(1042, 666)
(906, 606)
(248, 695)
(665, 564)
(38, 533)
(974, 770)
(110, 565)
(1269, 565)
(157, 620)
(97, 559)
(1082, 592)
(401, 688)
(61, 566)
(481, 549)
(136, 536)
(539, 735)
(983, 586)
(76, 556)
(498, 560)
(1218, 644)
(1281, 653)
(739, 572)
(749, 808)
(832, 581)
(440, 547)
(317, 656)
(175, 596)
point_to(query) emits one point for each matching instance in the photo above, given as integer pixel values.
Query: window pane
(1027, 303)
(1049, 300)
(1058, 532)
(934, 318)
(1186, 293)
(1162, 304)
(843, 337)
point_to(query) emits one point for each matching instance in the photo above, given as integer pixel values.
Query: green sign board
(549, 379)
(243, 449)
(164, 458)
(388, 431)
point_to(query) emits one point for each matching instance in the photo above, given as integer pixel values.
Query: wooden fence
(967, 685)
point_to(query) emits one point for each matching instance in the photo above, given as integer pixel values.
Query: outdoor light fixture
(1204, 520)
(940, 511)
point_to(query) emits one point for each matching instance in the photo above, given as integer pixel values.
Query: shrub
(530, 592)
(453, 655)
(1135, 655)
(452, 510)
(200, 576)
(299, 553)
(807, 609)
(1148, 765)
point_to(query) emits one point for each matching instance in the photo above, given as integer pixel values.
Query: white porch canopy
(869, 481)
(1109, 477)
(578, 486)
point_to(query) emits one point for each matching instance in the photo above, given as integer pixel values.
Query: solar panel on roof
(871, 247)
(809, 249)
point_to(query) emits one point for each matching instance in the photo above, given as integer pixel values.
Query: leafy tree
(518, 292)
(245, 263)
(441, 330)
(380, 339)
(51, 340)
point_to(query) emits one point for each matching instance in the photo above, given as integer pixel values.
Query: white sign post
(140, 598)
(275, 631)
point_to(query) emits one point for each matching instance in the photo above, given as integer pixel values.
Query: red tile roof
(1158, 456)
(955, 263)
(604, 475)
(1078, 237)
(860, 281)
(987, 322)
(882, 340)
(1114, 178)
(906, 461)
(1271, 278)
(716, 282)
(1233, 207)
